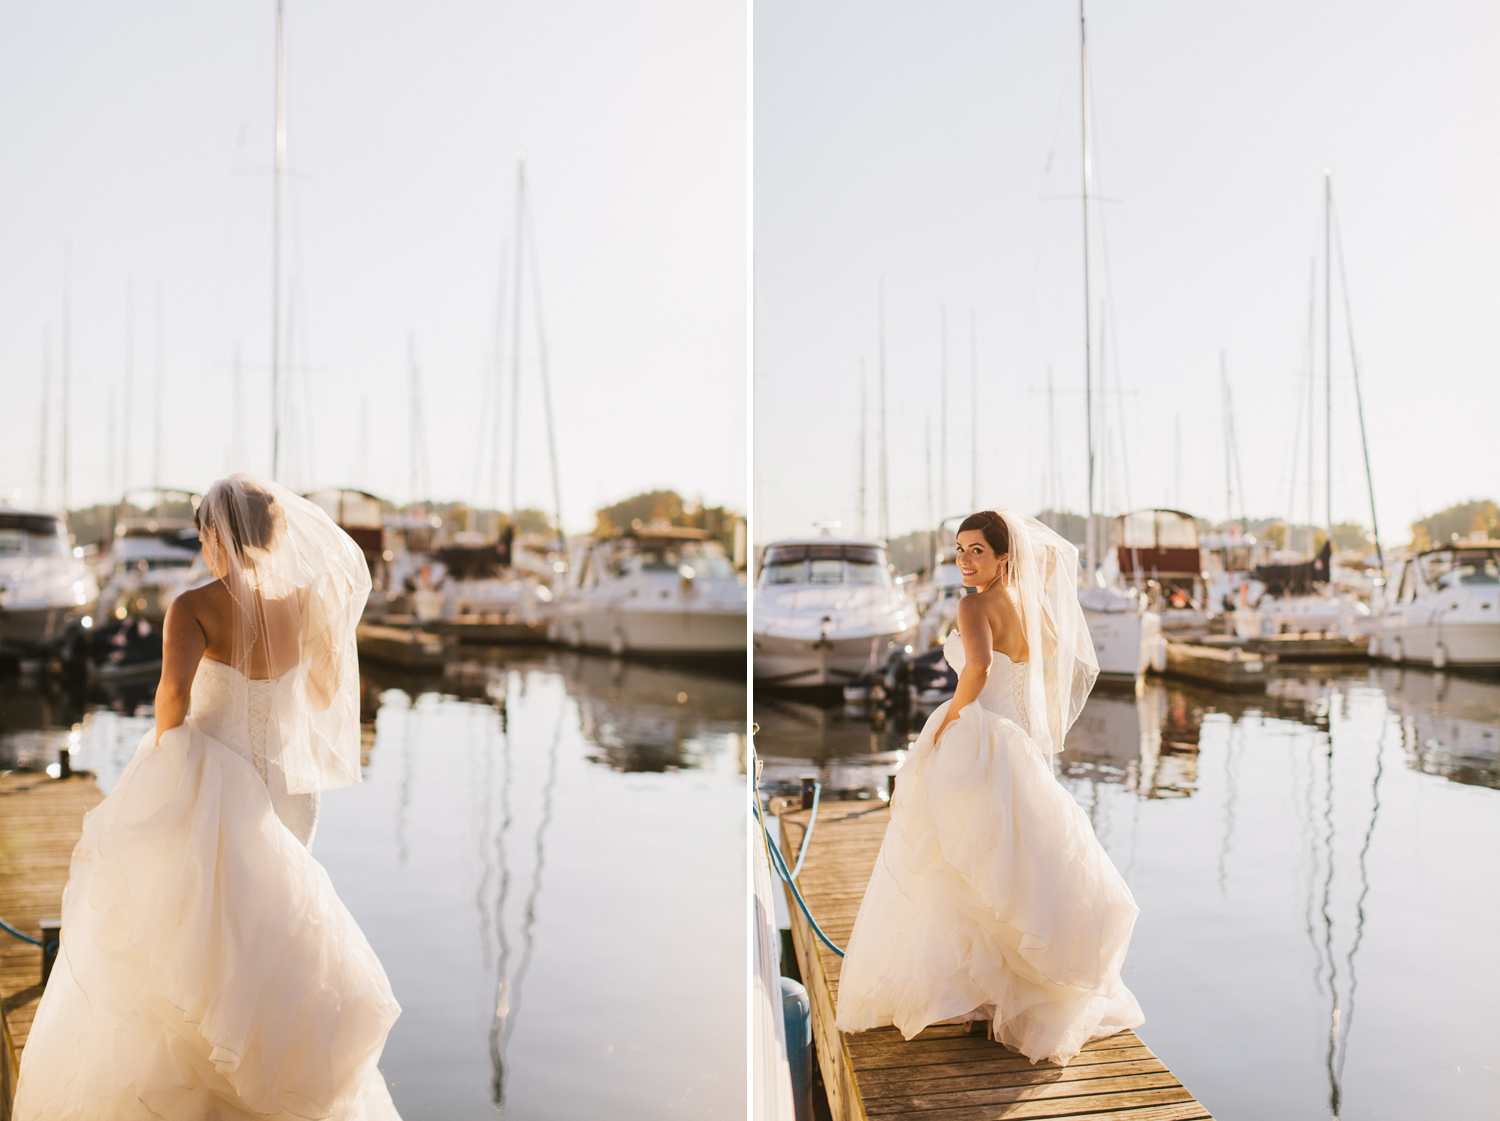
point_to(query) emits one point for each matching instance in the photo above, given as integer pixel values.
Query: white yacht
(654, 591)
(44, 583)
(149, 562)
(828, 611)
(1446, 611)
(1126, 632)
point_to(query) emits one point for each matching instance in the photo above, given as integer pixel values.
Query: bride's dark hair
(251, 514)
(992, 525)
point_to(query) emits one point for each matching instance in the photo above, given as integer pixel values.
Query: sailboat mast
(129, 385)
(276, 247)
(974, 409)
(1312, 383)
(1328, 341)
(67, 368)
(541, 361)
(864, 413)
(161, 360)
(931, 535)
(943, 416)
(41, 470)
(1088, 364)
(885, 494)
(515, 335)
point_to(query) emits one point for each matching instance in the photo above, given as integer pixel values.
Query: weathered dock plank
(41, 820)
(948, 1072)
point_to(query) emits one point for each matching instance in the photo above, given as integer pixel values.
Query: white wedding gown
(991, 898)
(208, 972)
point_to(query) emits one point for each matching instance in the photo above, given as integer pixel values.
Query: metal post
(51, 943)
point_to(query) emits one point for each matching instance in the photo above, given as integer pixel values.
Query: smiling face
(978, 563)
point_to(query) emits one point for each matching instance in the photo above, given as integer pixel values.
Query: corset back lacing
(260, 712)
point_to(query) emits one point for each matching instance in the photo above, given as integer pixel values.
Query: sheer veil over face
(299, 585)
(1043, 569)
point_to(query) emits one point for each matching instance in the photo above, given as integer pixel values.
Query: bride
(992, 900)
(207, 969)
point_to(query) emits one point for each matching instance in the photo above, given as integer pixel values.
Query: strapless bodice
(240, 712)
(1004, 691)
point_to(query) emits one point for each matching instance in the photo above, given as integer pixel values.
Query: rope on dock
(779, 862)
(14, 933)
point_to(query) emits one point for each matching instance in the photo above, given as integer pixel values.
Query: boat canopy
(1296, 579)
(1157, 543)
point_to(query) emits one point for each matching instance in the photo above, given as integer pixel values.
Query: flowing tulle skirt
(991, 900)
(208, 970)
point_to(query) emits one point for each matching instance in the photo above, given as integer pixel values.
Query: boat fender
(1396, 651)
(1439, 656)
(1373, 650)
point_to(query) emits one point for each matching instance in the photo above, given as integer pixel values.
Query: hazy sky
(141, 135)
(938, 146)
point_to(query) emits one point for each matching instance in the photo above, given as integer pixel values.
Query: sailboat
(1126, 633)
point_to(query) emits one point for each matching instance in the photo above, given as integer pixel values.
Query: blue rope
(5, 926)
(779, 863)
(807, 837)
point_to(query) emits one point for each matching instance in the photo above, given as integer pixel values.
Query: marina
(504, 855)
(1298, 854)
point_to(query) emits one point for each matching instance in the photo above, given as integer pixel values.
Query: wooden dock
(1228, 669)
(946, 1073)
(41, 820)
(1297, 647)
(401, 646)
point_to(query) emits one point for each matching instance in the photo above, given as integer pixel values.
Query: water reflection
(516, 806)
(1299, 855)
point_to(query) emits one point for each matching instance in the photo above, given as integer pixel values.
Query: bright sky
(938, 146)
(138, 138)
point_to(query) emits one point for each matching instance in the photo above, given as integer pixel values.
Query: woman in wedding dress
(992, 899)
(207, 969)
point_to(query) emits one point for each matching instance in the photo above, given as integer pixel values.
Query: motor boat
(669, 590)
(44, 582)
(1126, 632)
(1158, 554)
(1301, 597)
(828, 611)
(1446, 611)
(939, 604)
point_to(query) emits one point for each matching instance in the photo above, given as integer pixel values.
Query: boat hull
(627, 631)
(27, 629)
(813, 662)
(1126, 643)
(1473, 645)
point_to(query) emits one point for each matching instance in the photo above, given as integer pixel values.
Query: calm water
(547, 853)
(1316, 873)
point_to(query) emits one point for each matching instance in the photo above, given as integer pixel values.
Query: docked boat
(1126, 632)
(44, 584)
(1158, 553)
(155, 544)
(667, 591)
(828, 611)
(1446, 611)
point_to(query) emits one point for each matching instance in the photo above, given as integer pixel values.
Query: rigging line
(501, 322)
(1358, 397)
(541, 346)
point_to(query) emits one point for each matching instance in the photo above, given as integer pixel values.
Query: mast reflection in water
(1298, 855)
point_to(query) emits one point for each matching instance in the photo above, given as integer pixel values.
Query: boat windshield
(23, 535)
(861, 565)
(683, 559)
(1462, 567)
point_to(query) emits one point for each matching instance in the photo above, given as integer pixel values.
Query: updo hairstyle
(252, 516)
(996, 535)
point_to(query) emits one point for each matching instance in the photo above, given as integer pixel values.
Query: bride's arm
(182, 645)
(974, 629)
